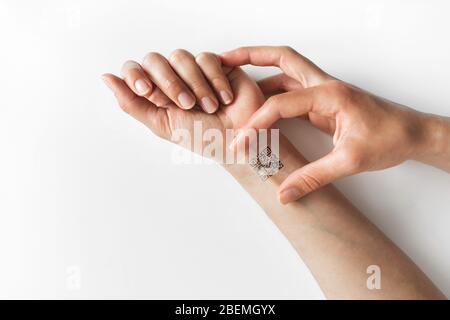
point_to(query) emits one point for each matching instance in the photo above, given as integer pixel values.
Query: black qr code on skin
(266, 164)
(265, 157)
(254, 163)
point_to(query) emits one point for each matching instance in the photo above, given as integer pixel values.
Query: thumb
(312, 177)
(287, 59)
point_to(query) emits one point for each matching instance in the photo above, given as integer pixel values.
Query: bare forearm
(334, 239)
(434, 146)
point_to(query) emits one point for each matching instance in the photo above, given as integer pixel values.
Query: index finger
(282, 106)
(286, 105)
(287, 59)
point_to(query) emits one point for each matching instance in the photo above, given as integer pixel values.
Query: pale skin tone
(333, 238)
(369, 133)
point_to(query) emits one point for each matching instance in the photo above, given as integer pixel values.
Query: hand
(181, 78)
(369, 133)
(163, 116)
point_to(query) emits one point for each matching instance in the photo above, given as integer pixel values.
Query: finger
(278, 83)
(138, 81)
(293, 104)
(281, 83)
(212, 68)
(290, 61)
(132, 104)
(138, 107)
(166, 79)
(159, 98)
(325, 124)
(287, 105)
(183, 62)
(136, 78)
(312, 177)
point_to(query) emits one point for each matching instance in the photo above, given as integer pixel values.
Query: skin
(369, 132)
(166, 119)
(334, 239)
(181, 78)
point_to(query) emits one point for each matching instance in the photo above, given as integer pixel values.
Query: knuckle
(271, 101)
(218, 81)
(204, 57)
(240, 51)
(152, 57)
(198, 85)
(179, 55)
(271, 106)
(172, 85)
(127, 66)
(341, 94)
(288, 50)
(338, 88)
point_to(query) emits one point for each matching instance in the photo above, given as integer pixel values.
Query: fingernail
(106, 81)
(186, 100)
(141, 86)
(209, 104)
(289, 195)
(225, 96)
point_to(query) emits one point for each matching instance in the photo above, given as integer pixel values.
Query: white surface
(90, 205)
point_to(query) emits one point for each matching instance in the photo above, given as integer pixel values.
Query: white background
(91, 205)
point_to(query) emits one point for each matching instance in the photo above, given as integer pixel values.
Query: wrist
(433, 142)
(289, 157)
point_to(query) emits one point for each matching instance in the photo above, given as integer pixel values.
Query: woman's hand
(369, 133)
(158, 112)
(182, 78)
(325, 227)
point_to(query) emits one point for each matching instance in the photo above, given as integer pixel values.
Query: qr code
(266, 164)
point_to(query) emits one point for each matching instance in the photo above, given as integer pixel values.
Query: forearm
(334, 239)
(433, 145)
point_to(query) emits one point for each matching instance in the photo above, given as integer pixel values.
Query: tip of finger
(209, 105)
(142, 87)
(288, 195)
(106, 77)
(186, 101)
(226, 97)
(227, 58)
